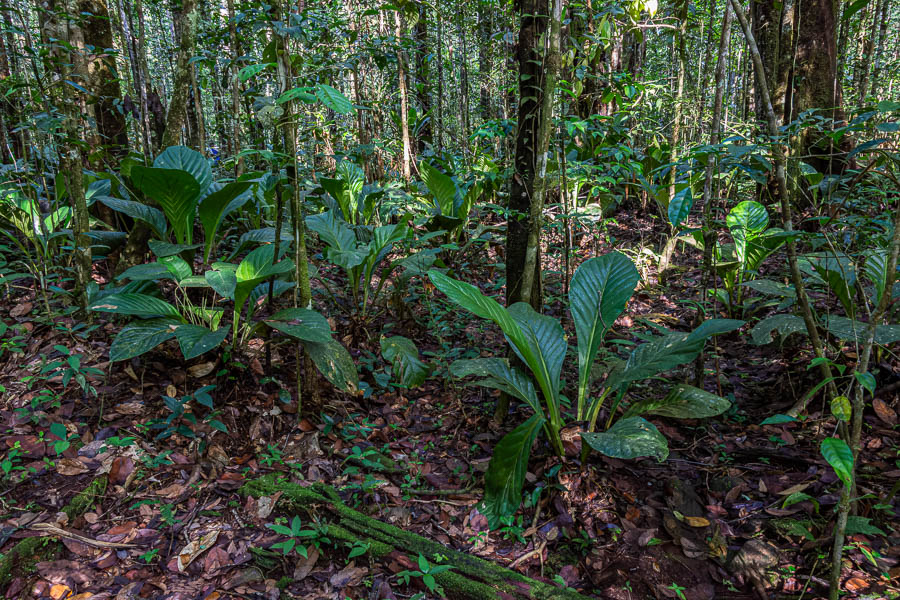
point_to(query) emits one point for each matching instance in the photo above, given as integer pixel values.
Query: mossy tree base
(23, 556)
(472, 577)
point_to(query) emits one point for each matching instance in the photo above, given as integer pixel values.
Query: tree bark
(404, 100)
(176, 117)
(423, 79)
(235, 92)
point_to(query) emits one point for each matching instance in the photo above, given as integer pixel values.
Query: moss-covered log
(472, 577)
(33, 549)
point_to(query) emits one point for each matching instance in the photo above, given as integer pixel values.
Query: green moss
(26, 553)
(472, 577)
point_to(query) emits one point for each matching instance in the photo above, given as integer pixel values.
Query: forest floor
(710, 522)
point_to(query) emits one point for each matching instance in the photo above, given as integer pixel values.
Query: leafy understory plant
(598, 294)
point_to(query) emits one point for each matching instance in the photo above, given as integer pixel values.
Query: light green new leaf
(505, 476)
(840, 457)
(196, 339)
(301, 323)
(629, 438)
(188, 160)
(139, 305)
(682, 402)
(256, 267)
(335, 363)
(600, 289)
(141, 336)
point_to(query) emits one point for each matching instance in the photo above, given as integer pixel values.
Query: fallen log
(472, 578)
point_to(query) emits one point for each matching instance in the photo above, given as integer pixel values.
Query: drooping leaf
(335, 363)
(783, 324)
(402, 353)
(499, 375)
(223, 281)
(505, 476)
(600, 289)
(333, 99)
(140, 305)
(196, 339)
(546, 347)
(188, 160)
(441, 186)
(138, 210)
(301, 323)
(141, 336)
(629, 438)
(680, 206)
(682, 402)
(840, 457)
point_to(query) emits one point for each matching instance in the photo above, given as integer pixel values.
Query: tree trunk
(178, 106)
(485, 56)
(423, 78)
(879, 47)
(235, 91)
(102, 82)
(404, 100)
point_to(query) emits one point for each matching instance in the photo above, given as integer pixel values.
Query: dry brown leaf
(855, 584)
(793, 489)
(20, 310)
(201, 370)
(70, 466)
(305, 565)
(60, 591)
(171, 491)
(349, 576)
(194, 549)
(884, 412)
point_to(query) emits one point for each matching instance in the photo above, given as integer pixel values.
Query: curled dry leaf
(884, 412)
(70, 466)
(194, 549)
(349, 576)
(201, 370)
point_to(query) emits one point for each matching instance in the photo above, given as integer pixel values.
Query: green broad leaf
(403, 355)
(441, 186)
(668, 351)
(682, 402)
(546, 348)
(139, 305)
(851, 330)
(196, 339)
(629, 438)
(888, 106)
(252, 70)
(333, 99)
(499, 375)
(223, 281)
(335, 363)
(343, 248)
(217, 205)
(164, 249)
(783, 325)
(680, 206)
(600, 289)
(194, 281)
(840, 457)
(779, 420)
(876, 271)
(746, 221)
(140, 211)
(505, 475)
(857, 525)
(279, 287)
(176, 191)
(141, 336)
(888, 127)
(265, 235)
(301, 323)
(256, 267)
(177, 266)
(299, 93)
(147, 272)
(866, 380)
(187, 160)
(841, 408)
(769, 287)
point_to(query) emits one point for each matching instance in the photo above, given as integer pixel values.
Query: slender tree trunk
(879, 48)
(485, 56)
(423, 79)
(235, 91)
(440, 82)
(176, 118)
(404, 100)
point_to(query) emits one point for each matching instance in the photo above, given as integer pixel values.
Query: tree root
(471, 578)
(31, 550)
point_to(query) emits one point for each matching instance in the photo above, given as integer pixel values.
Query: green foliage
(403, 355)
(600, 290)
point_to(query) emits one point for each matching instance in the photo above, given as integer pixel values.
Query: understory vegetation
(494, 299)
